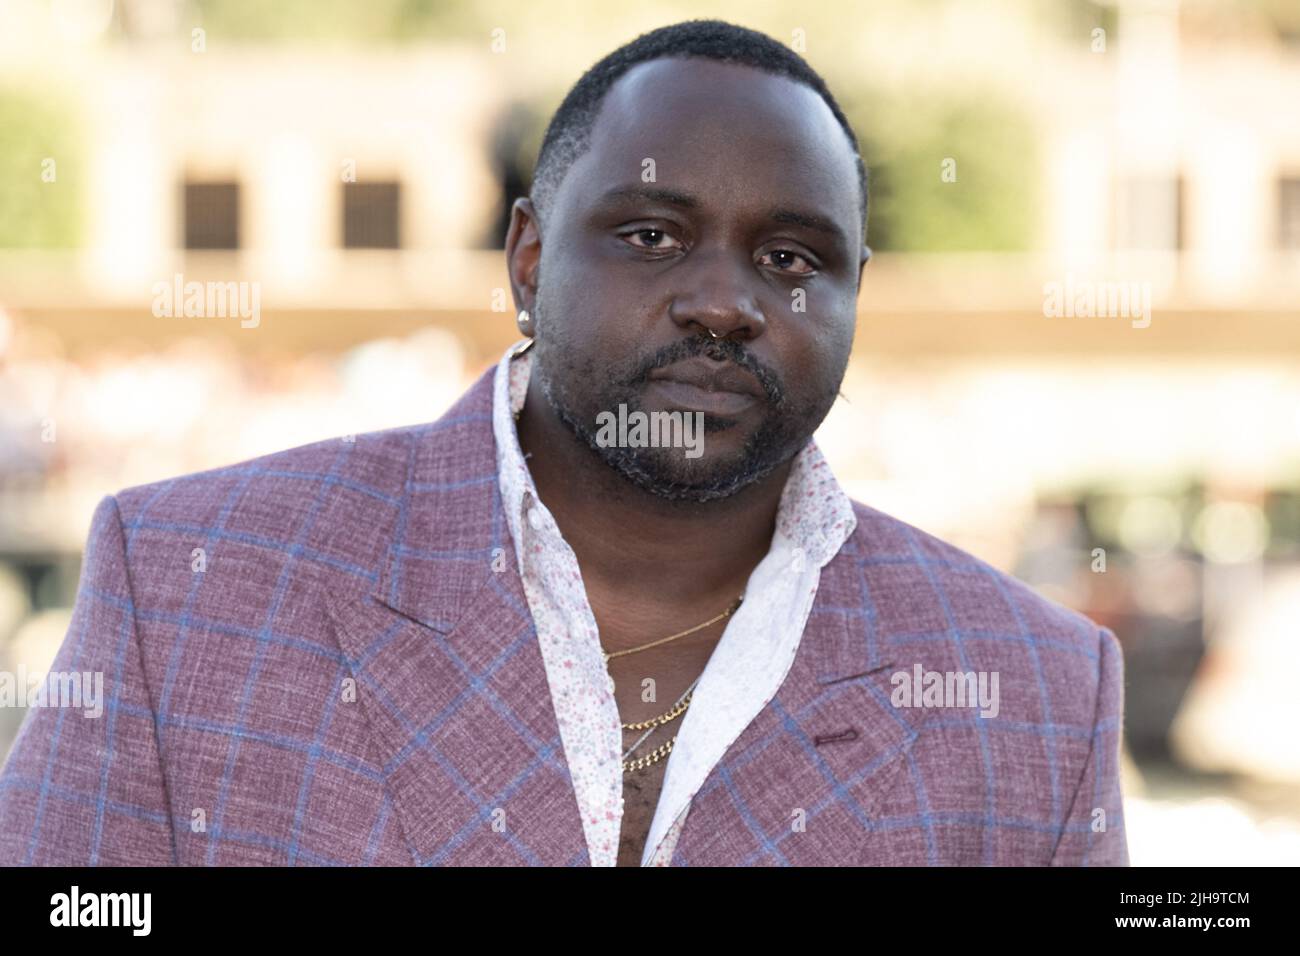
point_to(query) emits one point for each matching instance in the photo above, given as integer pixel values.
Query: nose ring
(714, 335)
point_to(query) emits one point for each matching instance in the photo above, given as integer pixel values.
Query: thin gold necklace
(672, 637)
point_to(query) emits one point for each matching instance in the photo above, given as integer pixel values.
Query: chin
(698, 481)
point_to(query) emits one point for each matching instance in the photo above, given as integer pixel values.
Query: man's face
(714, 197)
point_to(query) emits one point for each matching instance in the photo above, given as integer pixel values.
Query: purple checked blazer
(348, 674)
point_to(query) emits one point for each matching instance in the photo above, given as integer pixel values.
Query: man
(419, 646)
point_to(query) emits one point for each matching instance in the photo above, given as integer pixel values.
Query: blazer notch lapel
(465, 735)
(836, 736)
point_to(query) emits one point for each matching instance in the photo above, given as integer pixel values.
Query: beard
(578, 388)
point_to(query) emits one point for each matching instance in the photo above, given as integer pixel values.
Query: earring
(525, 323)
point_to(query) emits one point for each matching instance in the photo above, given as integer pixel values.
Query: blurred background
(357, 160)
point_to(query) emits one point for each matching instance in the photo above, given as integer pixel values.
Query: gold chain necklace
(629, 766)
(673, 712)
(654, 756)
(676, 711)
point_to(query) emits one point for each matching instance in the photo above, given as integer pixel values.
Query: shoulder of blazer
(335, 506)
(917, 582)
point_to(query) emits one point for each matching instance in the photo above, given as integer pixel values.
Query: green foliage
(36, 214)
(905, 140)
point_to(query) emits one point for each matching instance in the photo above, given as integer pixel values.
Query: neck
(624, 535)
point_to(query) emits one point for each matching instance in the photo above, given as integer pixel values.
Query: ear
(523, 252)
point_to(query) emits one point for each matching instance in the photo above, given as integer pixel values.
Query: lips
(697, 384)
(709, 376)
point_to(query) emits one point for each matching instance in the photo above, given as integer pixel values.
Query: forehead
(730, 134)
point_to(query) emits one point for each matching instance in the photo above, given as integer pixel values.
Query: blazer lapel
(448, 670)
(828, 743)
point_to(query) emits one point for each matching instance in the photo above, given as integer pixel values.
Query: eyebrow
(671, 197)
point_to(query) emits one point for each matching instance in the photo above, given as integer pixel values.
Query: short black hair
(568, 136)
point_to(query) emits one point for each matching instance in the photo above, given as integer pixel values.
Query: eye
(650, 239)
(785, 259)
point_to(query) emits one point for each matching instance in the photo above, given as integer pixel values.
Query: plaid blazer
(325, 656)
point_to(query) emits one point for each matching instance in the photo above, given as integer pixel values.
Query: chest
(643, 787)
(641, 790)
(649, 685)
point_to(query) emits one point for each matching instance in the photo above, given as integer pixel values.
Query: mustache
(718, 350)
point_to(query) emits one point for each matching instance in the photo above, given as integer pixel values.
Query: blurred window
(1149, 213)
(1288, 212)
(372, 215)
(211, 215)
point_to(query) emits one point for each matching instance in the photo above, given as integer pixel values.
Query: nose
(717, 299)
